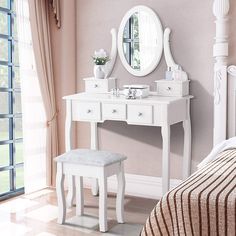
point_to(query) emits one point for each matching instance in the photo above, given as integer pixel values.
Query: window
(11, 137)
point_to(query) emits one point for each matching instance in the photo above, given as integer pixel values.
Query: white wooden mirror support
(167, 51)
(113, 54)
(158, 50)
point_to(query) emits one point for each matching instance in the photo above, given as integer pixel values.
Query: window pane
(16, 54)
(126, 48)
(4, 155)
(13, 5)
(136, 54)
(135, 26)
(3, 23)
(3, 3)
(3, 76)
(19, 177)
(16, 80)
(19, 153)
(4, 182)
(3, 103)
(4, 129)
(17, 103)
(126, 31)
(18, 128)
(3, 49)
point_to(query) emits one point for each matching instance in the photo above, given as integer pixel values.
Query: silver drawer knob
(89, 111)
(140, 114)
(168, 88)
(95, 85)
(114, 111)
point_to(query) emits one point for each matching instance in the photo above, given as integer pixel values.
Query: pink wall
(193, 28)
(64, 60)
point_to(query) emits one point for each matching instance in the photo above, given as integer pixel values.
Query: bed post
(220, 53)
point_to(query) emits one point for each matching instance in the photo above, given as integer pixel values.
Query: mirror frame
(159, 50)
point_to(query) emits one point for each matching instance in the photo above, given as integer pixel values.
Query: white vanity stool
(95, 164)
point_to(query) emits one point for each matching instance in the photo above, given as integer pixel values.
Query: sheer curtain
(34, 118)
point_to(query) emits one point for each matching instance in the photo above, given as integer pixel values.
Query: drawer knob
(168, 88)
(140, 114)
(89, 111)
(95, 85)
(114, 111)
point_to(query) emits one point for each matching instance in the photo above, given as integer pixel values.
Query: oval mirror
(140, 40)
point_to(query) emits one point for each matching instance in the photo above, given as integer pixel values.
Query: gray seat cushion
(90, 157)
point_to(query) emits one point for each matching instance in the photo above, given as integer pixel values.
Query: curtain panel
(56, 10)
(39, 19)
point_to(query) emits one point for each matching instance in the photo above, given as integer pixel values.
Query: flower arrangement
(100, 57)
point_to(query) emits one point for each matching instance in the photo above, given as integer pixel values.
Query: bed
(204, 204)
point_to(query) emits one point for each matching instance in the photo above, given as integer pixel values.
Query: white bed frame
(224, 77)
(231, 102)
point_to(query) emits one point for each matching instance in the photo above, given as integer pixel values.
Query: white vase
(99, 71)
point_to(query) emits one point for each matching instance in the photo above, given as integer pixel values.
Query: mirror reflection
(140, 39)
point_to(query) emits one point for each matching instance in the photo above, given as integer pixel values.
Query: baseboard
(138, 185)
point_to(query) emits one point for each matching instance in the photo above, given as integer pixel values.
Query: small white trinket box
(141, 90)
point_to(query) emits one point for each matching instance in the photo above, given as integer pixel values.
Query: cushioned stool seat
(90, 157)
(96, 164)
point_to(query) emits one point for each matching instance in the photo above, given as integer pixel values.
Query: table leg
(165, 131)
(187, 144)
(70, 178)
(94, 146)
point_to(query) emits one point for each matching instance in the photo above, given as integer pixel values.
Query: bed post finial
(220, 52)
(221, 8)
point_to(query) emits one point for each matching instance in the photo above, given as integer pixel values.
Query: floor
(36, 214)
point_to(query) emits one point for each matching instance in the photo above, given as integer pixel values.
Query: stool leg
(103, 204)
(79, 195)
(71, 191)
(120, 194)
(95, 189)
(60, 194)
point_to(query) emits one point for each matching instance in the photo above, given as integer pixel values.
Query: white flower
(100, 53)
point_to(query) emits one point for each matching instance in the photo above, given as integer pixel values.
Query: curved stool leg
(79, 196)
(60, 194)
(120, 194)
(71, 190)
(95, 188)
(103, 203)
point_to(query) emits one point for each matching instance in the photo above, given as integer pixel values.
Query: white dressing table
(151, 111)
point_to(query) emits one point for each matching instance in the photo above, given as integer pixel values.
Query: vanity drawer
(87, 111)
(172, 88)
(113, 111)
(168, 90)
(140, 114)
(99, 85)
